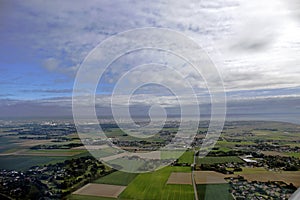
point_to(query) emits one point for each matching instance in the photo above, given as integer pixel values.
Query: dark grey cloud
(16, 109)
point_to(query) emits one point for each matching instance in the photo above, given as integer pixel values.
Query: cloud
(294, 7)
(6, 95)
(254, 44)
(18, 109)
(54, 65)
(52, 91)
(259, 24)
(63, 33)
(280, 108)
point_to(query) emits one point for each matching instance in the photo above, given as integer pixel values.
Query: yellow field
(180, 178)
(209, 177)
(287, 177)
(100, 190)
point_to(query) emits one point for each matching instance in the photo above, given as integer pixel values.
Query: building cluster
(242, 189)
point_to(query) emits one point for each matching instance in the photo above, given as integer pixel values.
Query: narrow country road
(193, 178)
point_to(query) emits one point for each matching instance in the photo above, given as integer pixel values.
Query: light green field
(187, 157)
(102, 153)
(116, 132)
(276, 135)
(172, 154)
(132, 166)
(216, 160)
(117, 178)
(152, 186)
(255, 170)
(296, 154)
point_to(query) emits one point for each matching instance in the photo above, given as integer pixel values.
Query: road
(193, 178)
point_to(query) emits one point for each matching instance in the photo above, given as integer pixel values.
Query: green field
(123, 163)
(214, 192)
(230, 145)
(118, 133)
(217, 160)
(296, 154)
(102, 153)
(153, 186)
(56, 151)
(187, 157)
(250, 170)
(117, 178)
(25, 162)
(7, 144)
(84, 197)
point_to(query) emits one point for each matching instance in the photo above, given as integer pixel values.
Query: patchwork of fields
(168, 183)
(144, 185)
(172, 182)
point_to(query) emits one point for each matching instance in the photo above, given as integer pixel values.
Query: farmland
(260, 174)
(85, 197)
(53, 152)
(187, 157)
(180, 178)
(144, 185)
(25, 162)
(297, 155)
(8, 144)
(100, 190)
(214, 192)
(209, 177)
(274, 157)
(217, 160)
(117, 178)
(248, 170)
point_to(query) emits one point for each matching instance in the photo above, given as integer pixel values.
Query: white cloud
(255, 44)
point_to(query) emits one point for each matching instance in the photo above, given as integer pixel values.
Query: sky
(255, 45)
